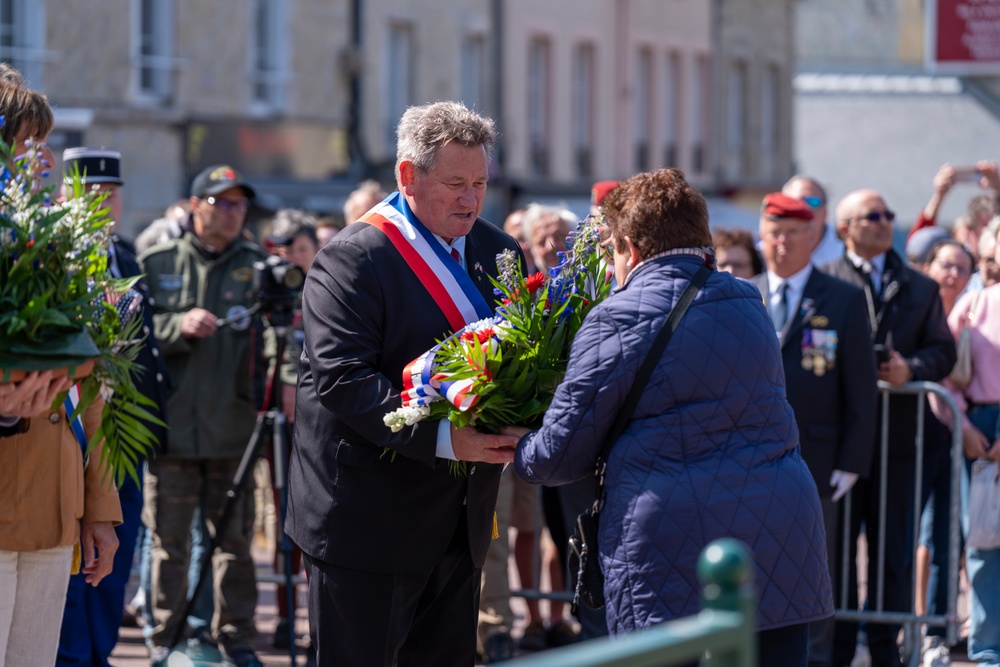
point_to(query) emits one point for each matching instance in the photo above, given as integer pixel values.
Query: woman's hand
(993, 453)
(975, 443)
(516, 431)
(33, 395)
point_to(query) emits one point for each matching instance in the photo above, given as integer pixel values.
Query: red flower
(535, 282)
(468, 336)
(485, 334)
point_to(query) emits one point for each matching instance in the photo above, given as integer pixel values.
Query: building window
(671, 109)
(642, 110)
(153, 64)
(268, 75)
(736, 119)
(700, 85)
(539, 77)
(22, 38)
(583, 110)
(769, 121)
(473, 72)
(399, 78)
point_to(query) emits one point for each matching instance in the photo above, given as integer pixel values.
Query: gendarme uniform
(211, 410)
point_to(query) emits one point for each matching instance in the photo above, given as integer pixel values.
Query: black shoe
(561, 634)
(281, 639)
(498, 647)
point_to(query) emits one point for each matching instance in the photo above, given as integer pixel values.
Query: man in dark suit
(92, 616)
(910, 330)
(829, 370)
(394, 542)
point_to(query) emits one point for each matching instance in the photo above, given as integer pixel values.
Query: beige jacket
(45, 491)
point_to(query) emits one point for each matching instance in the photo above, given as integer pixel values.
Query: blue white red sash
(445, 280)
(76, 424)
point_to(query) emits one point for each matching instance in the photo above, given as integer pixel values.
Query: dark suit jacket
(834, 409)
(150, 376)
(350, 504)
(910, 307)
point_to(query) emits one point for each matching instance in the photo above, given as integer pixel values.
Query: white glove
(842, 482)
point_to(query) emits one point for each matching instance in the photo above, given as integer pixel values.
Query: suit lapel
(126, 262)
(812, 293)
(478, 266)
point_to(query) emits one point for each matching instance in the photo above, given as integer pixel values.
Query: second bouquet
(504, 371)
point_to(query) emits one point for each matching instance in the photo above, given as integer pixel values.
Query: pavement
(131, 650)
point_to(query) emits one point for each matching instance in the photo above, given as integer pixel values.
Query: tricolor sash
(76, 424)
(445, 280)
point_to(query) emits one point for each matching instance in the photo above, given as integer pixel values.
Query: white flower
(397, 419)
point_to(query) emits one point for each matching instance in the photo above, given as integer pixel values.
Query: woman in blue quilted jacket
(712, 447)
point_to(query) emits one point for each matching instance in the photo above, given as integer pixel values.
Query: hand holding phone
(967, 175)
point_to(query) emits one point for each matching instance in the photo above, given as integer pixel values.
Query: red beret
(601, 190)
(777, 205)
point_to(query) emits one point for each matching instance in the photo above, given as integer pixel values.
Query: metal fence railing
(722, 632)
(876, 613)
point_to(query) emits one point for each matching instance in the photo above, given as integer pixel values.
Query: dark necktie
(867, 269)
(456, 255)
(780, 313)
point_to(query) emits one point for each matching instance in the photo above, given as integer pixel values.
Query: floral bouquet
(504, 371)
(61, 309)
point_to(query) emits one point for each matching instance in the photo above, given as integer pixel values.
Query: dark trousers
(366, 619)
(899, 540)
(92, 616)
(821, 632)
(787, 646)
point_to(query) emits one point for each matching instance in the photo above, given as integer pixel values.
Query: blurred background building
(303, 95)
(886, 91)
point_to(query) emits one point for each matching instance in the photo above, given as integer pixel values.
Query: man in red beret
(823, 330)
(598, 192)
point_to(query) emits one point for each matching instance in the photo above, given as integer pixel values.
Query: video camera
(276, 283)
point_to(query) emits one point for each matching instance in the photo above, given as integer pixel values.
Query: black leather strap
(645, 371)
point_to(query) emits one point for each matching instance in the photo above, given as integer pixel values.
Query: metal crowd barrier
(876, 613)
(723, 629)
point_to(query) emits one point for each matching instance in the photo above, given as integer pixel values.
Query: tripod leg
(279, 450)
(250, 455)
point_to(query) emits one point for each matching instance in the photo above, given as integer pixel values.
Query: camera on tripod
(276, 284)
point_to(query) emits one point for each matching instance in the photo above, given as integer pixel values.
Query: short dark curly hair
(658, 211)
(724, 238)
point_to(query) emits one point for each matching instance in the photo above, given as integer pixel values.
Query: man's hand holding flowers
(471, 445)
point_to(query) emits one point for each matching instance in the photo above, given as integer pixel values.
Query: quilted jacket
(711, 450)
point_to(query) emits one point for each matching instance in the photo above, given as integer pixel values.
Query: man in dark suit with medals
(394, 542)
(908, 325)
(829, 370)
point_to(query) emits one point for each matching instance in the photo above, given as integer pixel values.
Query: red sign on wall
(963, 36)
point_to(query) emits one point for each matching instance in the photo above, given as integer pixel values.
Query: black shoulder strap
(642, 376)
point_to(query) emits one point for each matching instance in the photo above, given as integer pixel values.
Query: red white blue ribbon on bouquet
(449, 285)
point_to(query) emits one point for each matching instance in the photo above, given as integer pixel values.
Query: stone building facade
(303, 95)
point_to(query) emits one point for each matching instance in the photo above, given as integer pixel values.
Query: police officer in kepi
(92, 615)
(196, 281)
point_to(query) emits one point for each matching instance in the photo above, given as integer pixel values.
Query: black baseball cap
(219, 178)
